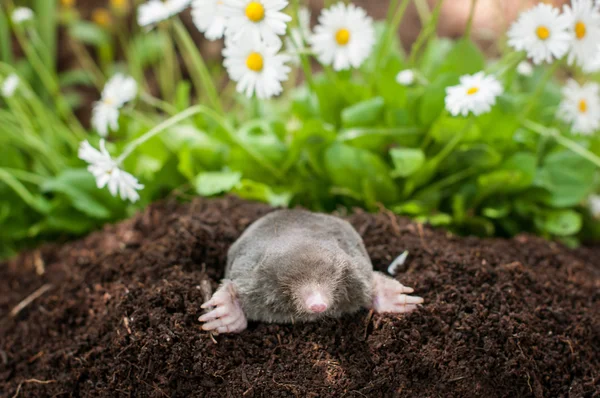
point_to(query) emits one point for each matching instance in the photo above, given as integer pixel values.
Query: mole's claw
(220, 322)
(388, 295)
(214, 314)
(227, 316)
(403, 299)
(406, 308)
(235, 327)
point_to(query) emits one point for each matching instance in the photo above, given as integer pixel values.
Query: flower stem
(197, 67)
(158, 103)
(470, 20)
(49, 80)
(428, 30)
(206, 111)
(565, 142)
(304, 59)
(541, 84)
(391, 27)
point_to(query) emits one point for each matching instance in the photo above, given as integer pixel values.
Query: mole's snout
(315, 302)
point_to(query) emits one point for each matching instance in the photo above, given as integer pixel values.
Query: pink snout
(316, 303)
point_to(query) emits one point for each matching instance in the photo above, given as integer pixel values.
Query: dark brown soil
(502, 318)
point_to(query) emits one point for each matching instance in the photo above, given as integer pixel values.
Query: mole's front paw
(389, 295)
(227, 315)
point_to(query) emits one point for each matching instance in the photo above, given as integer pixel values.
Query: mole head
(313, 282)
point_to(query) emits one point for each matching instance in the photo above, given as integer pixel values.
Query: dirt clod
(503, 318)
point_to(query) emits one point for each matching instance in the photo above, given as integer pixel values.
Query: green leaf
(394, 94)
(68, 220)
(366, 113)
(311, 140)
(89, 33)
(149, 47)
(76, 185)
(436, 51)
(432, 101)
(559, 222)
(217, 182)
(497, 210)
(435, 220)
(36, 202)
(379, 139)
(447, 127)
(406, 161)
(76, 77)
(568, 177)
(252, 190)
(350, 167)
(516, 174)
(465, 58)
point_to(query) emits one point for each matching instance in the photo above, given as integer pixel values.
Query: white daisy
(476, 94)
(581, 107)
(155, 11)
(208, 18)
(10, 85)
(106, 171)
(594, 205)
(256, 66)
(525, 69)
(594, 65)
(584, 26)
(261, 19)
(542, 32)
(406, 77)
(176, 6)
(119, 90)
(21, 14)
(344, 37)
(294, 41)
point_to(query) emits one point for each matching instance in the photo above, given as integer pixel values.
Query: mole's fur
(298, 266)
(287, 249)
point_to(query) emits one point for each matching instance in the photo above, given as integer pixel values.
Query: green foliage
(343, 138)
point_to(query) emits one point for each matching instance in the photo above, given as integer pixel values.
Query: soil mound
(117, 316)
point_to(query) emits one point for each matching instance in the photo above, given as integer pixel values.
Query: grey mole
(297, 266)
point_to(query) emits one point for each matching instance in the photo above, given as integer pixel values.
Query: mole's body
(298, 266)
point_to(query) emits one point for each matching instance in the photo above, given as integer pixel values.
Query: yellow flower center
(255, 11)
(542, 32)
(101, 17)
(580, 30)
(118, 4)
(342, 36)
(255, 62)
(472, 90)
(67, 3)
(583, 106)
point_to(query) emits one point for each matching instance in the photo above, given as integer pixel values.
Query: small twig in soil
(36, 381)
(154, 387)
(570, 345)
(206, 291)
(528, 382)
(126, 322)
(367, 323)
(392, 217)
(422, 236)
(29, 299)
(39, 264)
(36, 356)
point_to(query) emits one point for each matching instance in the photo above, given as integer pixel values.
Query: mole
(294, 266)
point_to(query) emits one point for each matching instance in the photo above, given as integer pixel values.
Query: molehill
(116, 315)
